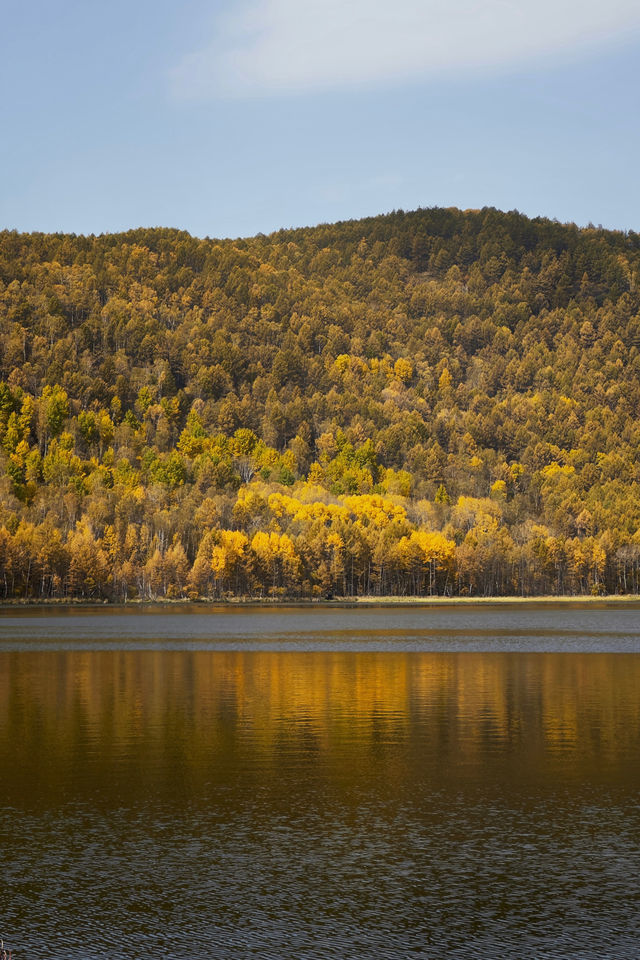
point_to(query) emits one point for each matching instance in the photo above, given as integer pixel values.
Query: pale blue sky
(226, 119)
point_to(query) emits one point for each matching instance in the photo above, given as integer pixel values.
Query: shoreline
(632, 600)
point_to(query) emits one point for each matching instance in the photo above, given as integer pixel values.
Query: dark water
(360, 784)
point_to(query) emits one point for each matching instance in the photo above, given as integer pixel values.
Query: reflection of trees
(206, 710)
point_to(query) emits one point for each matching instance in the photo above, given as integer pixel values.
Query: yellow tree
(229, 558)
(276, 557)
(88, 567)
(437, 556)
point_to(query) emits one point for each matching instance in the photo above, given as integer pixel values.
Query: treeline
(431, 402)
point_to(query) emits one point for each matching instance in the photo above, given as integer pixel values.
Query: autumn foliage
(424, 403)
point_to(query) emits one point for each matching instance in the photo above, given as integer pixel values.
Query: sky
(231, 118)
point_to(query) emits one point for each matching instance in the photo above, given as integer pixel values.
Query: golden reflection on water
(189, 715)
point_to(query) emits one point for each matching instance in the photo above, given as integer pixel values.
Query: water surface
(600, 626)
(313, 783)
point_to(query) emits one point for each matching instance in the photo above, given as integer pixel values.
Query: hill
(426, 402)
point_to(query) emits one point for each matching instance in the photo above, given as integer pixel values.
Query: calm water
(320, 783)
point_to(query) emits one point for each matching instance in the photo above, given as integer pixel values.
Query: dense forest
(419, 403)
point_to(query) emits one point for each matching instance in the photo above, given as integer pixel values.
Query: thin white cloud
(287, 46)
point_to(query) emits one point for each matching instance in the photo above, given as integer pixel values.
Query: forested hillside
(428, 402)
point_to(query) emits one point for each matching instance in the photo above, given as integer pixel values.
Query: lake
(320, 782)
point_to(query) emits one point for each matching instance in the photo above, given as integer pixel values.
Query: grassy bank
(363, 601)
